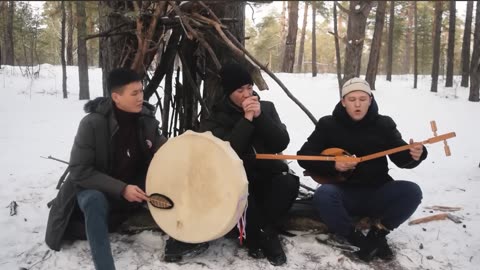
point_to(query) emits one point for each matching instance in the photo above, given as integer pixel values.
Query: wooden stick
(441, 216)
(444, 208)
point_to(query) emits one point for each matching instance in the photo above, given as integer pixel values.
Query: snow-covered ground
(36, 121)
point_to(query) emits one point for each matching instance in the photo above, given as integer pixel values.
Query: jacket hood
(104, 105)
(341, 114)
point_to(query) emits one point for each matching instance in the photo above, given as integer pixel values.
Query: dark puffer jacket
(91, 161)
(374, 133)
(265, 134)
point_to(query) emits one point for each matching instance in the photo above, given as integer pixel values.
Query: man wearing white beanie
(362, 189)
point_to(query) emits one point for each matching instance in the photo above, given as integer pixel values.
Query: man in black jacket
(110, 156)
(253, 126)
(356, 127)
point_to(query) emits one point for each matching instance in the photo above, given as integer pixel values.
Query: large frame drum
(207, 183)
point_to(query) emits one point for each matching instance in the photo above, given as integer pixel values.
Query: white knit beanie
(355, 84)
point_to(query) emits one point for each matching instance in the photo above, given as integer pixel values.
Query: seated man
(114, 145)
(367, 190)
(253, 126)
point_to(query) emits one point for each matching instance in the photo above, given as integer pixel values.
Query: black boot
(272, 247)
(254, 247)
(175, 250)
(379, 235)
(368, 247)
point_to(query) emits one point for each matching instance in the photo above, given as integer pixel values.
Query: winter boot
(368, 247)
(175, 250)
(252, 242)
(379, 235)
(272, 247)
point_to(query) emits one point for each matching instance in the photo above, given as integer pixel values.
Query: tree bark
(291, 41)
(212, 89)
(84, 92)
(391, 25)
(357, 21)
(112, 47)
(415, 48)
(62, 52)
(451, 45)
(283, 29)
(70, 27)
(408, 38)
(9, 45)
(475, 63)
(337, 48)
(302, 39)
(314, 40)
(436, 45)
(466, 45)
(376, 45)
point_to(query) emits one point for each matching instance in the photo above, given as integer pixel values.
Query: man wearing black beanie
(253, 126)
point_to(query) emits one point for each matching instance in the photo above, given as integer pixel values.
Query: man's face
(356, 104)
(239, 95)
(129, 98)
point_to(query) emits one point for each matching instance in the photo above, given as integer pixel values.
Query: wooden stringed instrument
(338, 154)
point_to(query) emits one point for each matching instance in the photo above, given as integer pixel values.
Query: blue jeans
(95, 208)
(392, 203)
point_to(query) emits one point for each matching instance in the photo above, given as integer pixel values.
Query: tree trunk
(314, 40)
(357, 21)
(376, 45)
(111, 49)
(9, 47)
(408, 39)
(212, 89)
(291, 41)
(70, 27)
(451, 45)
(475, 63)
(415, 48)
(2, 22)
(302, 38)
(391, 25)
(283, 30)
(466, 44)
(62, 52)
(436, 45)
(337, 48)
(82, 51)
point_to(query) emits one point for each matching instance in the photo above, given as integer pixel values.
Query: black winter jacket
(91, 161)
(265, 134)
(374, 133)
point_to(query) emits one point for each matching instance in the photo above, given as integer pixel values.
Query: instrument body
(205, 180)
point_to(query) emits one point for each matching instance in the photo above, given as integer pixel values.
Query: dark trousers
(391, 203)
(99, 216)
(270, 198)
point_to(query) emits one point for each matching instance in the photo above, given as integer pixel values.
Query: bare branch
(189, 31)
(346, 10)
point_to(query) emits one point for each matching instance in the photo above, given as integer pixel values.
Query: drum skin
(207, 183)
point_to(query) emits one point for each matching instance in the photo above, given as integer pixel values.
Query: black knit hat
(233, 77)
